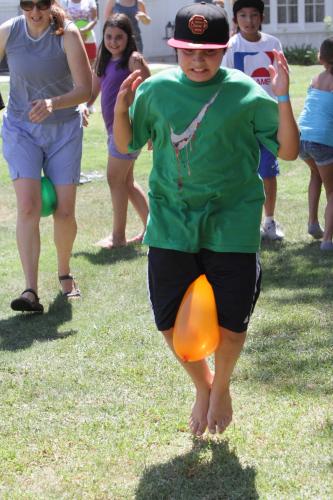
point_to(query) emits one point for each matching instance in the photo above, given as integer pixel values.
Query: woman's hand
(142, 17)
(40, 110)
(279, 74)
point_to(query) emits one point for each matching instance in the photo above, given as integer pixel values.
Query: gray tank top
(38, 69)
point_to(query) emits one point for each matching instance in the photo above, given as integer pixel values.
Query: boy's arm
(122, 127)
(288, 133)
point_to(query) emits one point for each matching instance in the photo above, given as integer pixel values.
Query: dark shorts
(268, 166)
(235, 279)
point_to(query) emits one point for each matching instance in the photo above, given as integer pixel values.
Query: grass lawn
(93, 406)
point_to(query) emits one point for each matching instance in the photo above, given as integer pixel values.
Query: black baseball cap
(240, 4)
(200, 26)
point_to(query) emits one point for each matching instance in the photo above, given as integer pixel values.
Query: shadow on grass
(295, 266)
(210, 471)
(22, 330)
(293, 346)
(106, 257)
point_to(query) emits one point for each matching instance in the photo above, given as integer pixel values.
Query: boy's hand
(127, 92)
(280, 75)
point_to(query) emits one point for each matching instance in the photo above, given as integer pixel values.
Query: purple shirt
(110, 83)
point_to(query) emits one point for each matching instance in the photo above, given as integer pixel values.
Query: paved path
(152, 66)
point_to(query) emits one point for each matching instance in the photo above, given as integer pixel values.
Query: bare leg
(326, 174)
(116, 174)
(139, 201)
(220, 406)
(202, 377)
(123, 188)
(270, 187)
(65, 230)
(27, 230)
(314, 191)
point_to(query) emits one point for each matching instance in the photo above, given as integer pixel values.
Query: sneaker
(272, 231)
(326, 246)
(315, 231)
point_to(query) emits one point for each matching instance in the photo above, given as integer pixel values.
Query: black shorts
(235, 279)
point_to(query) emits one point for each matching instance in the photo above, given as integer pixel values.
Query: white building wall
(162, 11)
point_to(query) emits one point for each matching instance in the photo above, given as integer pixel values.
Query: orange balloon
(196, 333)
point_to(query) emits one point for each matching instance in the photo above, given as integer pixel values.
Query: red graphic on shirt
(198, 25)
(261, 73)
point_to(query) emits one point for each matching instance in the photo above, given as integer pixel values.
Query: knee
(115, 178)
(64, 214)
(29, 208)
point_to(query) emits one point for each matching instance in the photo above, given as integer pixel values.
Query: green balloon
(49, 197)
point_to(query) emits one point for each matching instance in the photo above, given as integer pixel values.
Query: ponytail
(58, 17)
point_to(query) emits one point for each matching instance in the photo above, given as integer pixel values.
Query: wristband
(283, 98)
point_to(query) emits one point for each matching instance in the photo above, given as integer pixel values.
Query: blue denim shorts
(320, 153)
(113, 151)
(55, 148)
(268, 166)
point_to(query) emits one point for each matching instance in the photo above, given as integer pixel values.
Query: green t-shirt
(204, 187)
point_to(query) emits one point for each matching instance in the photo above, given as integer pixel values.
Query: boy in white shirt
(251, 51)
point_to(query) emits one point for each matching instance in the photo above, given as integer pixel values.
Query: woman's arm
(96, 88)
(142, 13)
(109, 8)
(4, 34)
(81, 73)
(288, 133)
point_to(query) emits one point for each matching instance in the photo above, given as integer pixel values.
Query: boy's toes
(201, 429)
(196, 427)
(223, 424)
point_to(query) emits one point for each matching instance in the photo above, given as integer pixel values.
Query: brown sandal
(75, 292)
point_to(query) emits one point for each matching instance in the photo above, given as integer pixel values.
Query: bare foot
(198, 418)
(136, 239)
(220, 410)
(109, 243)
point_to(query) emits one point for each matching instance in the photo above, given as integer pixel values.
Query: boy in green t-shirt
(205, 123)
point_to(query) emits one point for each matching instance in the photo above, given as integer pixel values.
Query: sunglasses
(29, 5)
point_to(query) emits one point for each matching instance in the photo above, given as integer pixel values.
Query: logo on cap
(198, 25)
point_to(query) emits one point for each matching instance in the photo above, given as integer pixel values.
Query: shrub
(305, 55)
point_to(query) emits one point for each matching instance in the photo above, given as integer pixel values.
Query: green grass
(93, 406)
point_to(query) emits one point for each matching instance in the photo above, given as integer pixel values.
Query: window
(287, 11)
(314, 11)
(267, 12)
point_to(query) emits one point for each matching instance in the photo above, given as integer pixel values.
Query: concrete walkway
(153, 66)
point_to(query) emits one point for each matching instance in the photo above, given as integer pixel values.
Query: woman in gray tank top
(49, 76)
(135, 10)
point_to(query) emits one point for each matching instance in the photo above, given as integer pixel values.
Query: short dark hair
(240, 4)
(326, 52)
